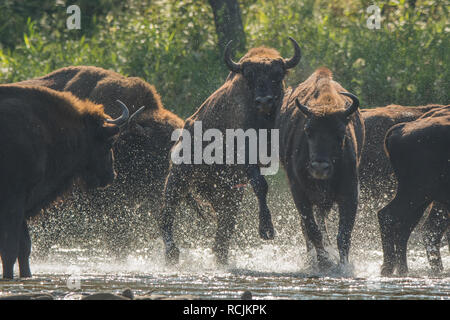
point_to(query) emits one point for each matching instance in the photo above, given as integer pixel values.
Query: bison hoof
(266, 231)
(387, 270)
(402, 270)
(437, 268)
(172, 255)
(324, 263)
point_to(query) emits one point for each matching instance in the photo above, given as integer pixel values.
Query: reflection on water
(269, 272)
(276, 269)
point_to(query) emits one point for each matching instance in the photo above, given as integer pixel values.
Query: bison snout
(321, 169)
(264, 104)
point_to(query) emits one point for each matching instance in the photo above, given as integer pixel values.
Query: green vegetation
(173, 44)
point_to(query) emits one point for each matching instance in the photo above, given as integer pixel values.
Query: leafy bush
(172, 44)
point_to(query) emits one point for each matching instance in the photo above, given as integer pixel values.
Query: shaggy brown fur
(141, 152)
(248, 99)
(48, 140)
(376, 175)
(325, 136)
(419, 155)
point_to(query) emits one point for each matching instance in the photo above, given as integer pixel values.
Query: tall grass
(172, 44)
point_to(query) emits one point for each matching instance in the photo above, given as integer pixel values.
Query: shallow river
(269, 273)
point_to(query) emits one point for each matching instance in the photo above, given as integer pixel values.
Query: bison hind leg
(436, 224)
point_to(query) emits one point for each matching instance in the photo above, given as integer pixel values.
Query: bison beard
(48, 140)
(376, 175)
(419, 155)
(321, 138)
(249, 98)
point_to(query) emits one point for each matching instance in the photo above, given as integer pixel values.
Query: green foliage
(173, 45)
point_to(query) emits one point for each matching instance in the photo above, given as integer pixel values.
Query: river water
(268, 272)
(276, 269)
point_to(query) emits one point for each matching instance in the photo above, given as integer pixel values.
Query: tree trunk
(227, 17)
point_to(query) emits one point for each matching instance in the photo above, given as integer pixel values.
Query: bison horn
(123, 118)
(303, 108)
(233, 66)
(134, 115)
(292, 62)
(354, 106)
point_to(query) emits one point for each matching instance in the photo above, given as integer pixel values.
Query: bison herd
(77, 126)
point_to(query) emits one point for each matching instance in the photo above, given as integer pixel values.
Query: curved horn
(134, 115)
(292, 62)
(123, 118)
(233, 66)
(355, 103)
(303, 108)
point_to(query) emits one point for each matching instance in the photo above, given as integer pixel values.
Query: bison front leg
(309, 225)
(10, 234)
(436, 224)
(24, 252)
(348, 207)
(321, 217)
(260, 188)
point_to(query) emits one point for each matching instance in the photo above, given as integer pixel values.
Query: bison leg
(321, 216)
(309, 244)
(347, 214)
(13, 217)
(436, 224)
(226, 222)
(386, 222)
(175, 189)
(24, 252)
(408, 221)
(260, 188)
(313, 233)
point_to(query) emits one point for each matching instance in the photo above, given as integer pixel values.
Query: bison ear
(303, 108)
(108, 130)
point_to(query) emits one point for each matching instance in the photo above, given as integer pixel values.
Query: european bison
(376, 176)
(247, 100)
(48, 140)
(420, 157)
(321, 138)
(142, 155)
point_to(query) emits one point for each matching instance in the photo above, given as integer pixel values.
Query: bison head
(325, 133)
(99, 170)
(264, 70)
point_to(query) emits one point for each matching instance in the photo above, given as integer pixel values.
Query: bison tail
(392, 136)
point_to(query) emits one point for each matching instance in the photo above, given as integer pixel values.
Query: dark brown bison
(48, 140)
(420, 157)
(321, 138)
(142, 157)
(247, 100)
(376, 176)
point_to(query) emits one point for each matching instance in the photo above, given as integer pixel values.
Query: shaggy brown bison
(420, 157)
(119, 215)
(376, 176)
(321, 138)
(48, 140)
(247, 100)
